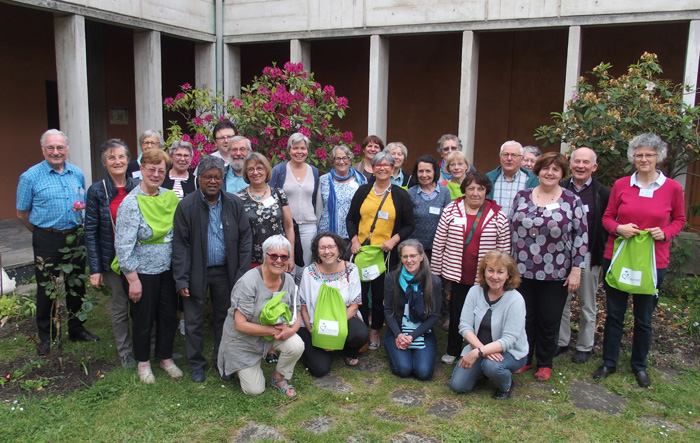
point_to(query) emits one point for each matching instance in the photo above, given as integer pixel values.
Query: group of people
(298, 264)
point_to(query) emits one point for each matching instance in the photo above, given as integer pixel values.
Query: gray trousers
(119, 310)
(587, 303)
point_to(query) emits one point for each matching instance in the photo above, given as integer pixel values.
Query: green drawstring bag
(370, 262)
(275, 312)
(330, 328)
(633, 266)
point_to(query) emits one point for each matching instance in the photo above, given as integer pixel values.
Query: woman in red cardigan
(645, 201)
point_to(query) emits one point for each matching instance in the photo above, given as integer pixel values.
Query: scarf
(444, 173)
(333, 199)
(416, 305)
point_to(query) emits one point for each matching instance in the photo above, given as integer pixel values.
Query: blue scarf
(416, 304)
(444, 173)
(333, 199)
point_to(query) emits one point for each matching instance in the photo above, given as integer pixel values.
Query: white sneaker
(448, 359)
(182, 326)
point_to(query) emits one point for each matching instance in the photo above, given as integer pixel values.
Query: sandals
(352, 361)
(172, 370)
(284, 388)
(374, 345)
(271, 357)
(146, 376)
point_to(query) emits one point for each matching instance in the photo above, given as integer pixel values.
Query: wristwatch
(481, 354)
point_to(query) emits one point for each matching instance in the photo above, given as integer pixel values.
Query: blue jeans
(643, 309)
(463, 380)
(417, 362)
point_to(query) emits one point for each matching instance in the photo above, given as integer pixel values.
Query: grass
(120, 408)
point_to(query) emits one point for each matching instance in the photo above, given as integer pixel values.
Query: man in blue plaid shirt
(50, 199)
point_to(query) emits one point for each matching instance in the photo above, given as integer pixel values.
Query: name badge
(405, 309)
(460, 221)
(552, 206)
(383, 215)
(435, 210)
(648, 193)
(586, 209)
(269, 202)
(478, 312)
(137, 174)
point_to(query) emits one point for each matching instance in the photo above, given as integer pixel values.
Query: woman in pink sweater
(645, 201)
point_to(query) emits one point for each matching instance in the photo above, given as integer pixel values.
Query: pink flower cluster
(347, 137)
(321, 154)
(272, 72)
(198, 121)
(285, 123)
(186, 86)
(282, 96)
(78, 206)
(293, 67)
(169, 101)
(179, 96)
(342, 102)
(304, 130)
(199, 138)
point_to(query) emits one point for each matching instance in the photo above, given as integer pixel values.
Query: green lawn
(120, 408)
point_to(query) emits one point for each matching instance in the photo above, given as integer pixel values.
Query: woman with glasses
(458, 166)
(380, 215)
(143, 243)
(337, 189)
(329, 269)
(645, 201)
(246, 340)
(150, 139)
(179, 178)
(412, 300)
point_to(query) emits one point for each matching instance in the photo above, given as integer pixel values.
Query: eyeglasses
(341, 159)
(511, 155)
(644, 156)
(241, 150)
(225, 137)
(116, 157)
(328, 248)
(449, 148)
(411, 256)
(211, 178)
(150, 143)
(55, 148)
(255, 169)
(383, 166)
(276, 257)
(151, 170)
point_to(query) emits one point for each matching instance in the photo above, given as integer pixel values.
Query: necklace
(374, 189)
(255, 196)
(539, 195)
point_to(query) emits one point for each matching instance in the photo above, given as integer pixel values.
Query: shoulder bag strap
(114, 228)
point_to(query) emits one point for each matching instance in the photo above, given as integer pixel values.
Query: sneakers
(543, 374)
(128, 360)
(448, 359)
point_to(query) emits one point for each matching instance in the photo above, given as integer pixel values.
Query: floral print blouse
(265, 217)
(548, 240)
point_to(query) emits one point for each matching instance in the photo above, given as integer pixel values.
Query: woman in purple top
(550, 241)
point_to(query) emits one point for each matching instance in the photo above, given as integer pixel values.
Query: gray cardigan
(507, 320)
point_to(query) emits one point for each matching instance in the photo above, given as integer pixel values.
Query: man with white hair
(50, 199)
(510, 177)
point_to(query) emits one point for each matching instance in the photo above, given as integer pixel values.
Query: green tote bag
(330, 327)
(633, 266)
(370, 261)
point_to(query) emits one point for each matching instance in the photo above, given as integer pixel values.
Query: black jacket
(188, 186)
(99, 239)
(404, 223)
(190, 241)
(597, 235)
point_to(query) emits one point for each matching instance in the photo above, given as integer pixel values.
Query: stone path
(593, 396)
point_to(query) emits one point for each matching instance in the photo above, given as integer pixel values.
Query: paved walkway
(15, 244)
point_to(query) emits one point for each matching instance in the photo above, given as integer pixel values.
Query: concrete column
(692, 59)
(232, 70)
(573, 69)
(149, 83)
(205, 65)
(378, 86)
(467, 91)
(71, 70)
(300, 52)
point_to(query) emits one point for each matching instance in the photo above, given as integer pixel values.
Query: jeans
(417, 362)
(644, 306)
(463, 380)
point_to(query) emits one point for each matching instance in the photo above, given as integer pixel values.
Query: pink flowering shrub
(275, 105)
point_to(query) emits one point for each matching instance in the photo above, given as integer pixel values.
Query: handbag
(330, 326)
(633, 265)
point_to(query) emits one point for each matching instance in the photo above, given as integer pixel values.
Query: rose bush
(275, 105)
(606, 116)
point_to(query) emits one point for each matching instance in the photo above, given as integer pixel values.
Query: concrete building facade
(487, 70)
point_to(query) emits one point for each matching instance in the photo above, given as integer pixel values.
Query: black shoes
(643, 379)
(504, 395)
(198, 376)
(83, 335)
(225, 377)
(44, 349)
(561, 350)
(603, 371)
(581, 357)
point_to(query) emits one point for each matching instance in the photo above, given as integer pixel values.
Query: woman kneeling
(412, 303)
(246, 340)
(493, 323)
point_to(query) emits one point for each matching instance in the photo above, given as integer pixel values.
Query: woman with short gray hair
(149, 139)
(337, 189)
(399, 152)
(179, 177)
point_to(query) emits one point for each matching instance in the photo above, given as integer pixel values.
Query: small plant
(16, 307)
(275, 105)
(681, 285)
